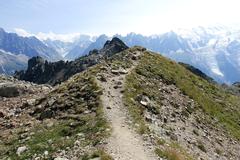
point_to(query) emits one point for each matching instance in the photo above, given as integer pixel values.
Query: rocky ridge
(16, 101)
(133, 93)
(41, 71)
(124, 143)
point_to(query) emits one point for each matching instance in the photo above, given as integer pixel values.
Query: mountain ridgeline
(213, 50)
(41, 71)
(117, 103)
(197, 72)
(29, 46)
(16, 50)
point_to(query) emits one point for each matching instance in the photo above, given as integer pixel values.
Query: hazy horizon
(65, 20)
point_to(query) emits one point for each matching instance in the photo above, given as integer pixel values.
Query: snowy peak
(214, 50)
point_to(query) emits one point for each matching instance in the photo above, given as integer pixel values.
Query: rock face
(10, 87)
(113, 46)
(10, 90)
(40, 71)
(20, 150)
(98, 44)
(16, 101)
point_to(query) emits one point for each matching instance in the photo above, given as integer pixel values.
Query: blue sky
(114, 16)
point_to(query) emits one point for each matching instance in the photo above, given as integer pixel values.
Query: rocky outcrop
(10, 87)
(41, 71)
(16, 101)
(113, 46)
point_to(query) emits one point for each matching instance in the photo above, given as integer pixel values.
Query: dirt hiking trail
(124, 143)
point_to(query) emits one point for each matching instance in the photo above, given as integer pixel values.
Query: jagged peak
(115, 41)
(35, 60)
(39, 69)
(172, 34)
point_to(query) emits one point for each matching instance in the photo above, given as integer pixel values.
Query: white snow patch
(179, 51)
(5, 52)
(217, 72)
(69, 37)
(212, 42)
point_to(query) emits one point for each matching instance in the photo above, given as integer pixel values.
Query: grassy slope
(213, 100)
(216, 102)
(63, 132)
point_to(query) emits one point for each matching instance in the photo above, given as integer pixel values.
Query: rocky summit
(117, 103)
(41, 71)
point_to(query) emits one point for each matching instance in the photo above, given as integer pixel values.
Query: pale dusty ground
(124, 143)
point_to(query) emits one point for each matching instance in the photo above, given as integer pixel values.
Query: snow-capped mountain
(9, 62)
(98, 44)
(213, 50)
(61, 47)
(29, 46)
(72, 49)
(16, 50)
(80, 45)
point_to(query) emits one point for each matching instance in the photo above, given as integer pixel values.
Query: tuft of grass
(201, 146)
(169, 154)
(102, 154)
(161, 141)
(172, 151)
(181, 151)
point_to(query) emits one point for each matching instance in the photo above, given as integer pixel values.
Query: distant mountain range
(16, 50)
(215, 51)
(10, 62)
